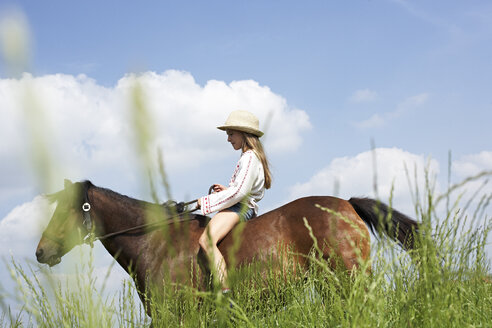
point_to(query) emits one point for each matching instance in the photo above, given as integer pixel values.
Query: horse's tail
(380, 218)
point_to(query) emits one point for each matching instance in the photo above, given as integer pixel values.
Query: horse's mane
(122, 199)
(127, 201)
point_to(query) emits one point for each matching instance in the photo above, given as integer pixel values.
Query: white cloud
(363, 96)
(187, 113)
(90, 119)
(471, 165)
(87, 125)
(413, 101)
(375, 121)
(22, 226)
(355, 176)
(379, 120)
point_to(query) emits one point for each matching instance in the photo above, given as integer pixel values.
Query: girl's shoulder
(249, 155)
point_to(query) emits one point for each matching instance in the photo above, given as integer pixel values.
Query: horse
(152, 243)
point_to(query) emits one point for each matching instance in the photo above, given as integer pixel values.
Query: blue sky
(315, 54)
(414, 76)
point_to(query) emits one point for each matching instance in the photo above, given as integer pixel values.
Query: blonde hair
(253, 142)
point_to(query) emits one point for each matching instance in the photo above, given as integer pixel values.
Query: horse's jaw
(53, 260)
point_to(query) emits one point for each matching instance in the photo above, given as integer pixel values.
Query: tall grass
(443, 283)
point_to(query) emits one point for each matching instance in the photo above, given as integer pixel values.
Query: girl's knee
(204, 241)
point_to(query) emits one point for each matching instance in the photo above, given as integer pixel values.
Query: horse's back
(333, 222)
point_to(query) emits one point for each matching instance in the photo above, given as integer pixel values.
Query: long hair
(253, 142)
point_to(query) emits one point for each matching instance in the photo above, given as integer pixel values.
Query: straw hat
(242, 120)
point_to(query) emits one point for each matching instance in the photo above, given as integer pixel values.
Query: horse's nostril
(39, 252)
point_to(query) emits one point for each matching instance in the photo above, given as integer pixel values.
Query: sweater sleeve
(239, 188)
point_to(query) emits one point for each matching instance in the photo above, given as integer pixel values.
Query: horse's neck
(112, 215)
(116, 211)
(142, 252)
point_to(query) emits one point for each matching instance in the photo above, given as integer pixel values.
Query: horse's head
(66, 228)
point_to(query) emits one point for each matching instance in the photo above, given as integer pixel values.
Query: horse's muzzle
(44, 259)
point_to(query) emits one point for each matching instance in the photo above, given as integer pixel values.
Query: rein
(90, 237)
(148, 225)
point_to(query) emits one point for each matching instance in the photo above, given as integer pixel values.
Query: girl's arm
(243, 183)
(216, 188)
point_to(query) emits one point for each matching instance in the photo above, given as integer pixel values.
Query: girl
(238, 202)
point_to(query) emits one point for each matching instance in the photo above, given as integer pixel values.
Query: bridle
(87, 222)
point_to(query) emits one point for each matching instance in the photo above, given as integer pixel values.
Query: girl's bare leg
(218, 227)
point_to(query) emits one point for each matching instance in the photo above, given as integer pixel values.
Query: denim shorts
(245, 213)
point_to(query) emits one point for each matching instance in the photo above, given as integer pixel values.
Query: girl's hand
(219, 187)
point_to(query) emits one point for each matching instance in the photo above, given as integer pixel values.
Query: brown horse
(168, 248)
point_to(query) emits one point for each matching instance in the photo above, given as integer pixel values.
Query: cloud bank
(354, 177)
(88, 118)
(89, 130)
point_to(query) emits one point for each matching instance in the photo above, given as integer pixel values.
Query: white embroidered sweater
(248, 181)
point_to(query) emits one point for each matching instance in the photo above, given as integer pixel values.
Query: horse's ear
(68, 183)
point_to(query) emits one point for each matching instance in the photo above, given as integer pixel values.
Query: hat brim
(257, 133)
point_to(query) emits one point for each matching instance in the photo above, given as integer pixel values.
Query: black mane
(125, 200)
(168, 208)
